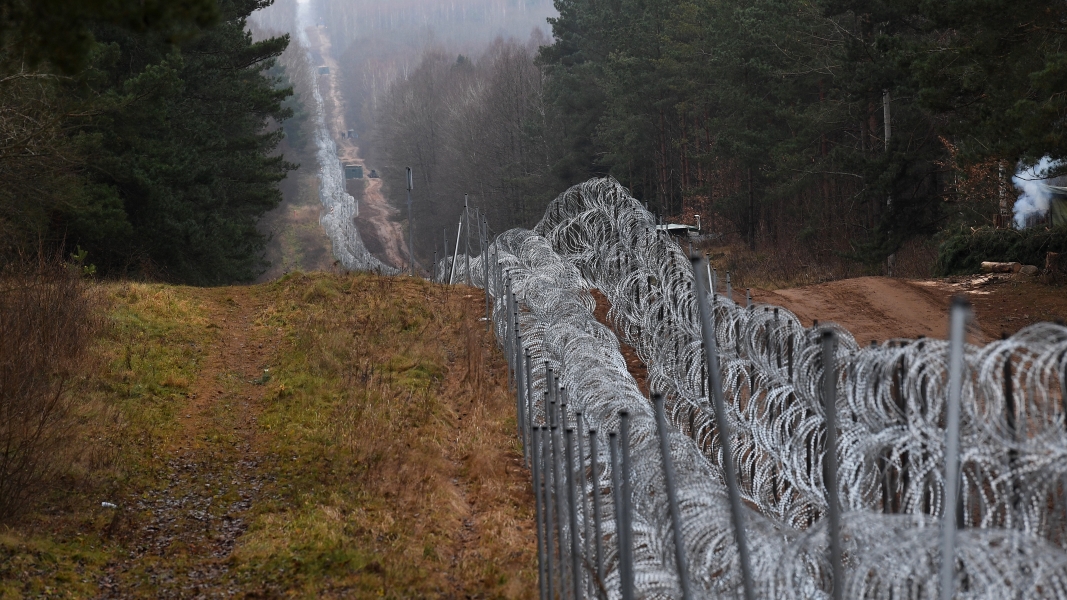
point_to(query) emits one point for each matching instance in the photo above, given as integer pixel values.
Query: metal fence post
(485, 266)
(711, 353)
(509, 333)
(627, 492)
(598, 541)
(467, 254)
(539, 511)
(546, 475)
(958, 316)
(624, 552)
(586, 533)
(572, 497)
(672, 496)
(560, 506)
(411, 223)
(513, 316)
(520, 403)
(566, 534)
(455, 255)
(829, 341)
(529, 390)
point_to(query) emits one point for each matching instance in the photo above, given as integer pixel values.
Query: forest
(140, 136)
(146, 136)
(830, 132)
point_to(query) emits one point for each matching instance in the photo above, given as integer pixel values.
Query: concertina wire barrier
(340, 208)
(569, 374)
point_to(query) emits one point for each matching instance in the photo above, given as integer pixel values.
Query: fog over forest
(446, 87)
(827, 135)
(378, 42)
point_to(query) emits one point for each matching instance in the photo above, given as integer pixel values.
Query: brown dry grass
(47, 319)
(396, 387)
(318, 436)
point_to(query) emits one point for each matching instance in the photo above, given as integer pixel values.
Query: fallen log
(1001, 267)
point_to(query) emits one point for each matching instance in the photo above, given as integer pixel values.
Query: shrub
(46, 323)
(963, 252)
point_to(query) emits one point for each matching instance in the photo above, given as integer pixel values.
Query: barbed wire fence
(633, 506)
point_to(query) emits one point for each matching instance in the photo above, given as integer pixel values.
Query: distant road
(382, 233)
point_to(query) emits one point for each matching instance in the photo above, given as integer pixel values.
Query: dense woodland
(838, 130)
(144, 135)
(140, 135)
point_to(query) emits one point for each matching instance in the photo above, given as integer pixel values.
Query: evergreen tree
(179, 155)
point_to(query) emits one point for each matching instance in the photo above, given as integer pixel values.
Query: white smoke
(1035, 197)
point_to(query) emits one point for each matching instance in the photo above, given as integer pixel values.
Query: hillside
(320, 435)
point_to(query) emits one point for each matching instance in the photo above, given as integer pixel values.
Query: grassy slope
(317, 436)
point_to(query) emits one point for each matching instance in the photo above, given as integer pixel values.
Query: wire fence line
(338, 219)
(890, 403)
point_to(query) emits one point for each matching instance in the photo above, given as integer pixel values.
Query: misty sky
(416, 25)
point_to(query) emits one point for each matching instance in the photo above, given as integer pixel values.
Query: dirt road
(377, 221)
(183, 530)
(880, 308)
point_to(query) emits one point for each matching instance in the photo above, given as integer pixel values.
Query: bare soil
(634, 365)
(882, 308)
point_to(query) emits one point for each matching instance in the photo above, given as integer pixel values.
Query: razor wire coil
(890, 405)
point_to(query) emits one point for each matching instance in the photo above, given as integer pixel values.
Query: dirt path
(182, 531)
(634, 364)
(880, 308)
(377, 221)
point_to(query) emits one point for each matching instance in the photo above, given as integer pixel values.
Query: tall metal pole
(529, 389)
(594, 453)
(711, 352)
(539, 511)
(455, 255)
(672, 497)
(830, 399)
(467, 254)
(559, 494)
(627, 497)
(509, 334)
(520, 401)
(587, 537)
(625, 551)
(958, 316)
(485, 267)
(546, 474)
(411, 224)
(572, 501)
